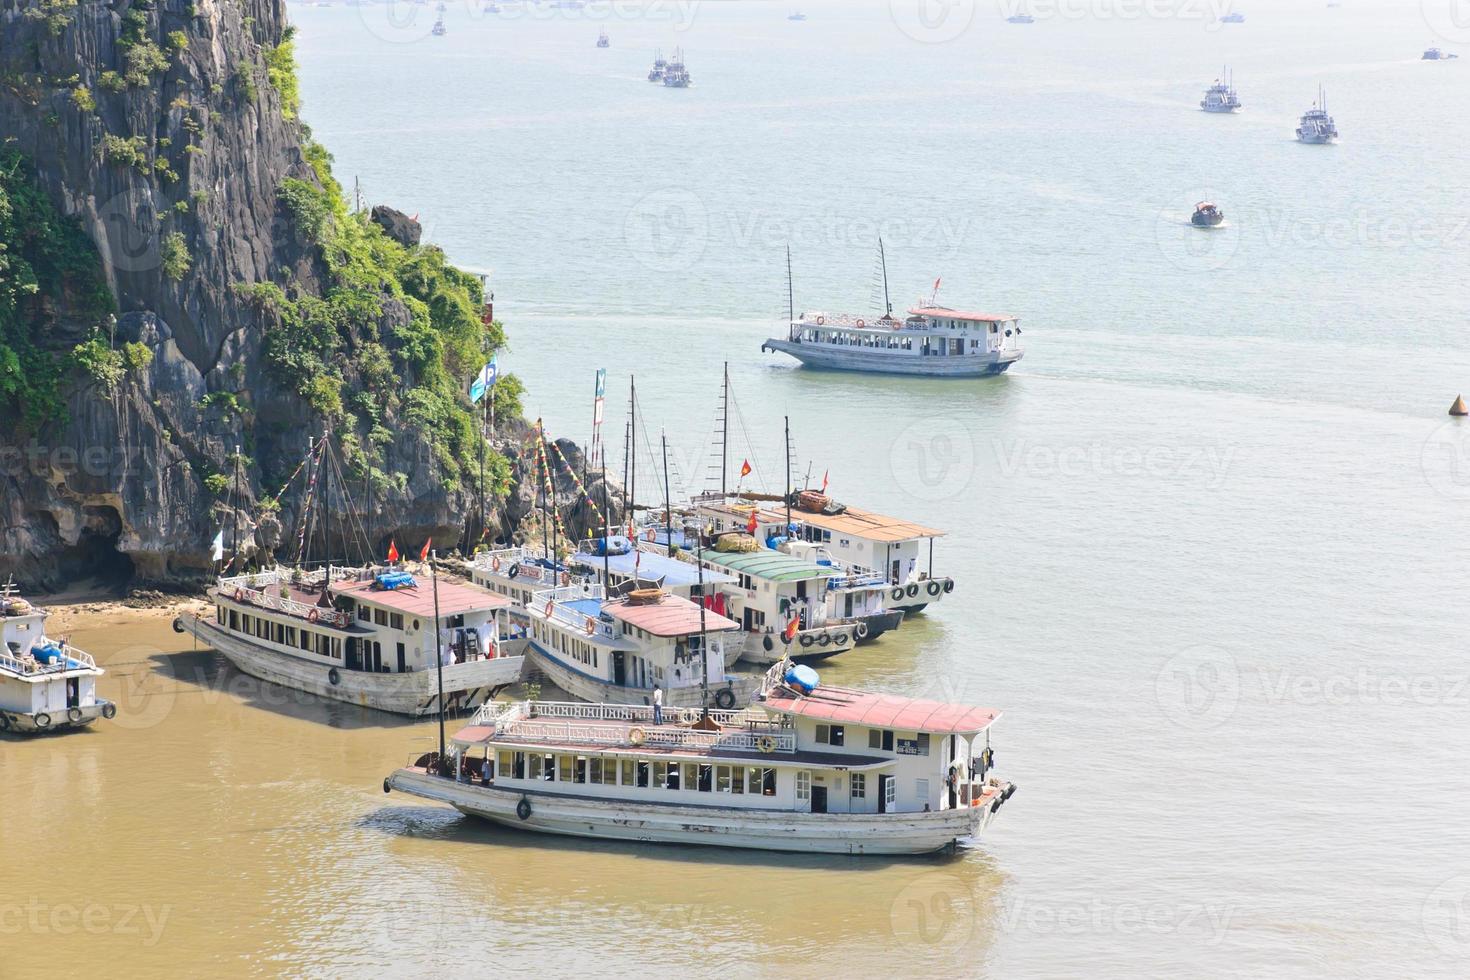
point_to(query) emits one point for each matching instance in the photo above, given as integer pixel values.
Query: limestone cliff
(244, 304)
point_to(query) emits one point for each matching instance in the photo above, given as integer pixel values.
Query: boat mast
(326, 510)
(551, 490)
(606, 534)
(883, 262)
(668, 506)
(725, 431)
(788, 475)
(703, 636)
(438, 656)
(632, 450)
(545, 479)
(790, 300)
(235, 546)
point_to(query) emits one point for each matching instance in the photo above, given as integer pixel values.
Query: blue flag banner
(484, 380)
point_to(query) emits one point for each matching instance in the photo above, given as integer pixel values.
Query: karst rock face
(159, 129)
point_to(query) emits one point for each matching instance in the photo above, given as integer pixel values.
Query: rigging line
(654, 464)
(308, 513)
(749, 445)
(352, 517)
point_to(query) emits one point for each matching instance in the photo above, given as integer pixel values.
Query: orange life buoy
(591, 626)
(239, 594)
(821, 320)
(650, 535)
(862, 323)
(495, 564)
(313, 616)
(549, 606)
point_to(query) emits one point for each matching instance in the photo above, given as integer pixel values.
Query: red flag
(745, 468)
(750, 525)
(392, 550)
(824, 480)
(789, 633)
(424, 555)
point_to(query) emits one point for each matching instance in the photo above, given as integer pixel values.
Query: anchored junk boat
(45, 684)
(805, 768)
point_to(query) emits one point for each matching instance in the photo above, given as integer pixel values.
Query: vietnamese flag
(424, 555)
(392, 551)
(750, 525)
(824, 480)
(745, 469)
(789, 633)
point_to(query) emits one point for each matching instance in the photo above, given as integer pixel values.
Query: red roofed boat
(805, 768)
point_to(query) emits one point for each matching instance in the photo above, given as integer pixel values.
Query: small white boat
(675, 75)
(1317, 126)
(1233, 18)
(1207, 215)
(1221, 96)
(1436, 54)
(46, 685)
(1020, 19)
(602, 39)
(797, 16)
(806, 768)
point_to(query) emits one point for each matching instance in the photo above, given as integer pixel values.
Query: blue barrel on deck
(803, 677)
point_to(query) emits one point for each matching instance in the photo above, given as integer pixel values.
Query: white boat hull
(466, 685)
(917, 595)
(824, 833)
(41, 722)
(806, 645)
(585, 687)
(868, 360)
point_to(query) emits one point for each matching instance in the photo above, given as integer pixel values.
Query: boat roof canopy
(861, 524)
(671, 615)
(455, 598)
(673, 572)
(771, 565)
(938, 311)
(849, 707)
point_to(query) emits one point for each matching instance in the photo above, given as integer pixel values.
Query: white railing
(567, 722)
(848, 321)
(252, 589)
(568, 616)
(486, 560)
(71, 659)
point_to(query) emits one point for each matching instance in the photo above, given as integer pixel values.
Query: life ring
(636, 736)
(73, 715)
(549, 606)
(591, 626)
(933, 588)
(109, 711)
(725, 699)
(913, 589)
(650, 535)
(514, 570)
(825, 639)
(566, 578)
(807, 639)
(821, 320)
(333, 677)
(495, 564)
(523, 809)
(862, 323)
(239, 594)
(178, 625)
(861, 630)
(766, 744)
(43, 720)
(898, 593)
(768, 644)
(314, 616)
(948, 586)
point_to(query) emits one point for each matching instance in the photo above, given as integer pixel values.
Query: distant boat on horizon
(1221, 96)
(797, 15)
(1317, 126)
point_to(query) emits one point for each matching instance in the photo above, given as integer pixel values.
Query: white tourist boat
(931, 340)
(366, 636)
(853, 540)
(806, 768)
(1221, 96)
(617, 648)
(1317, 126)
(46, 685)
(518, 574)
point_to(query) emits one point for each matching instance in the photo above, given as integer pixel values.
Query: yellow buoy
(1458, 408)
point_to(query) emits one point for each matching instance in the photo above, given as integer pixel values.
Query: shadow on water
(450, 826)
(215, 679)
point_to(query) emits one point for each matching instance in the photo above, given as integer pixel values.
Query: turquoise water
(1209, 535)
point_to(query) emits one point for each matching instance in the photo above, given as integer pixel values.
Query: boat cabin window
(365, 614)
(859, 785)
(803, 785)
(918, 745)
(880, 739)
(831, 734)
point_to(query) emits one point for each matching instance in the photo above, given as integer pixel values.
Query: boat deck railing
(253, 588)
(71, 659)
(562, 612)
(487, 560)
(616, 724)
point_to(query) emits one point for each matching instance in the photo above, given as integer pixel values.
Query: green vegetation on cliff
(49, 269)
(393, 340)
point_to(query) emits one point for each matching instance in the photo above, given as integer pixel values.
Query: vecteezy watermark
(1207, 12)
(933, 909)
(1195, 247)
(1206, 465)
(1198, 688)
(1446, 917)
(1450, 19)
(1100, 916)
(1362, 226)
(1444, 459)
(933, 459)
(59, 462)
(36, 917)
(932, 21)
(667, 230)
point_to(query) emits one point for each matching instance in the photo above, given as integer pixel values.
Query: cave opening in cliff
(95, 556)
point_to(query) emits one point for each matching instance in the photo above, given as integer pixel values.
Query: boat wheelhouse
(366, 636)
(805, 768)
(45, 684)
(1221, 96)
(931, 340)
(901, 552)
(618, 648)
(518, 574)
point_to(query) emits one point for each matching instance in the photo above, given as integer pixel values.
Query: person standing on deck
(658, 705)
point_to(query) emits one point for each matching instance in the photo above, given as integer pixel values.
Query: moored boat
(1206, 215)
(46, 684)
(805, 768)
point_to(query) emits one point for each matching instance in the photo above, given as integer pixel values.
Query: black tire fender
(513, 571)
(913, 589)
(860, 631)
(948, 585)
(768, 644)
(807, 639)
(725, 699)
(825, 639)
(73, 715)
(898, 593)
(43, 720)
(109, 711)
(386, 787)
(178, 625)
(523, 809)
(334, 677)
(934, 588)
